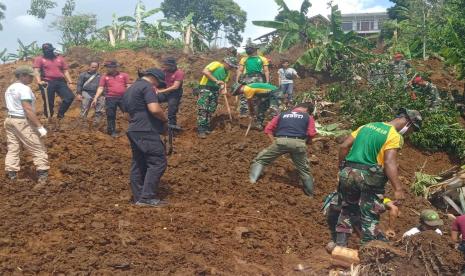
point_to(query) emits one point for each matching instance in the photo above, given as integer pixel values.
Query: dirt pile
(216, 223)
(426, 253)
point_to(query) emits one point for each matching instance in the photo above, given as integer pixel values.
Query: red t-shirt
(51, 69)
(171, 77)
(459, 225)
(115, 85)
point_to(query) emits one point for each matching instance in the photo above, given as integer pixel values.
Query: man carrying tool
(147, 122)
(213, 82)
(421, 87)
(87, 86)
(260, 95)
(23, 128)
(114, 83)
(368, 159)
(252, 69)
(172, 94)
(52, 75)
(289, 132)
(400, 67)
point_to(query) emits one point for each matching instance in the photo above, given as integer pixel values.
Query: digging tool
(413, 95)
(249, 126)
(169, 143)
(227, 103)
(43, 89)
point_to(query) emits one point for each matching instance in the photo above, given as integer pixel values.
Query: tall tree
(75, 29)
(39, 8)
(210, 17)
(139, 18)
(68, 8)
(2, 14)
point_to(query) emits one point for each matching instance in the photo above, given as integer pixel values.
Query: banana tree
(139, 19)
(4, 56)
(158, 30)
(192, 38)
(117, 31)
(26, 52)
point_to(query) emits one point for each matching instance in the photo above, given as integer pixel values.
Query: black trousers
(111, 106)
(148, 164)
(174, 100)
(61, 88)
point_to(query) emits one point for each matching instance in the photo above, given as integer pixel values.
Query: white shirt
(282, 75)
(415, 231)
(16, 93)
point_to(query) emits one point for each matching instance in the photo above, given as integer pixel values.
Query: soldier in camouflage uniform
(215, 76)
(428, 90)
(367, 161)
(252, 69)
(400, 67)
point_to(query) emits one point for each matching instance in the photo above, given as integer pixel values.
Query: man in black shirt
(147, 122)
(86, 89)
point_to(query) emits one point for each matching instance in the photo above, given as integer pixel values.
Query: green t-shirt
(254, 64)
(371, 141)
(250, 90)
(218, 71)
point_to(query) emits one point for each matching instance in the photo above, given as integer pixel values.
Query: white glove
(42, 131)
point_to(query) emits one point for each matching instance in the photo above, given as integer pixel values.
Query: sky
(28, 28)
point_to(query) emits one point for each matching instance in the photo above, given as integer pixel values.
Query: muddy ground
(216, 222)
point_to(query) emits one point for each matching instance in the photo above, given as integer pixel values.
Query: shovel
(249, 126)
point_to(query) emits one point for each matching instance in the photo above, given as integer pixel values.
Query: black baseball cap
(155, 72)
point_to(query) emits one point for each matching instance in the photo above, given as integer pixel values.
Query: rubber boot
(308, 186)
(255, 172)
(342, 239)
(111, 128)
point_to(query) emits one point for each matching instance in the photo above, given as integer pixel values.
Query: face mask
(49, 53)
(404, 129)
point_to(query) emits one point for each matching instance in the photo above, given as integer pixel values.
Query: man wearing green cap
(259, 95)
(252, 69)
(23, 128)
(368, 159)
(429, 220)
(213, 82)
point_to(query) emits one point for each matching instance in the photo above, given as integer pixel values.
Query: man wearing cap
(87, 86)
(426, 89)
(52, 75)
(260, 95)
(114, 83)
(252, 69)
(429, 220)
(289, 133)
(368, 159)
(213, 82)
(147, 122)
(23, 128)
(400, 67)
(172, 94)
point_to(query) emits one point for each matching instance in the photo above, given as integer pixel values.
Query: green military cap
(24, 70)
(431, 218)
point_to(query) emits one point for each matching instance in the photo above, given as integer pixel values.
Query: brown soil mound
(424, 254)
(216, 222)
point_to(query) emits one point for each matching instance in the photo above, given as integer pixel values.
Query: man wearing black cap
(52, 75)
(172, 94)
(147, 122)
(114, 83)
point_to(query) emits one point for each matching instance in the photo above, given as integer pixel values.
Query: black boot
(111, 128)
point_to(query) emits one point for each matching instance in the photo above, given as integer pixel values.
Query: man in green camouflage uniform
(215, 76)
(400, 67)
(252, 69)
(428, 90)
(368, 159)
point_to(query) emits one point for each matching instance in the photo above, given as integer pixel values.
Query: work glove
(42, 132)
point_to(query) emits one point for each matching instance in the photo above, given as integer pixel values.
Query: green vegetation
(422, 182)
(2, 14)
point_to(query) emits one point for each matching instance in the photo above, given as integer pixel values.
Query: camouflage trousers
(207, 104)
(359, 201)
(247, 79)
(262, 104)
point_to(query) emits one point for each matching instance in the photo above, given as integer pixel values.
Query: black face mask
(49, 53)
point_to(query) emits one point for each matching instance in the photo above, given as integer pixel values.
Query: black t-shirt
(138, 96)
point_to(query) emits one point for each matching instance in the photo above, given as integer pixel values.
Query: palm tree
(2, 14)
(140, 14)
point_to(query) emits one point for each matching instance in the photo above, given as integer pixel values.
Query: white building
(364, 23)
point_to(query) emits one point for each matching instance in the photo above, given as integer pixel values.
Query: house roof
(365, 14)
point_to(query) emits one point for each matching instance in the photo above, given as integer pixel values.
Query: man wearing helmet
(213, 82)
(400, 67)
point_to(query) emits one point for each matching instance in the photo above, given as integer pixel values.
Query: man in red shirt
(114, 83)
(289, 132)
(52, 74)
(172, 94)
(457, 230)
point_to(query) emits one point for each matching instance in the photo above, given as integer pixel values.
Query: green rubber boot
(308, 186)
(255, 172)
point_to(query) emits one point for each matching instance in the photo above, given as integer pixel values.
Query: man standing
(215, 76)
(368, 159)
(289, 132)
(400, 67)
(252, 69)
(87, 86)
(114, 83)
(51, 75)
(147, 122)
(286, 81)
(260, 95)
(23, 128)
(172, 94)
(428, 90)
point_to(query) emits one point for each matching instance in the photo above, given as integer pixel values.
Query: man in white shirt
(429, 220)
(286, 81)
(23, 128)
